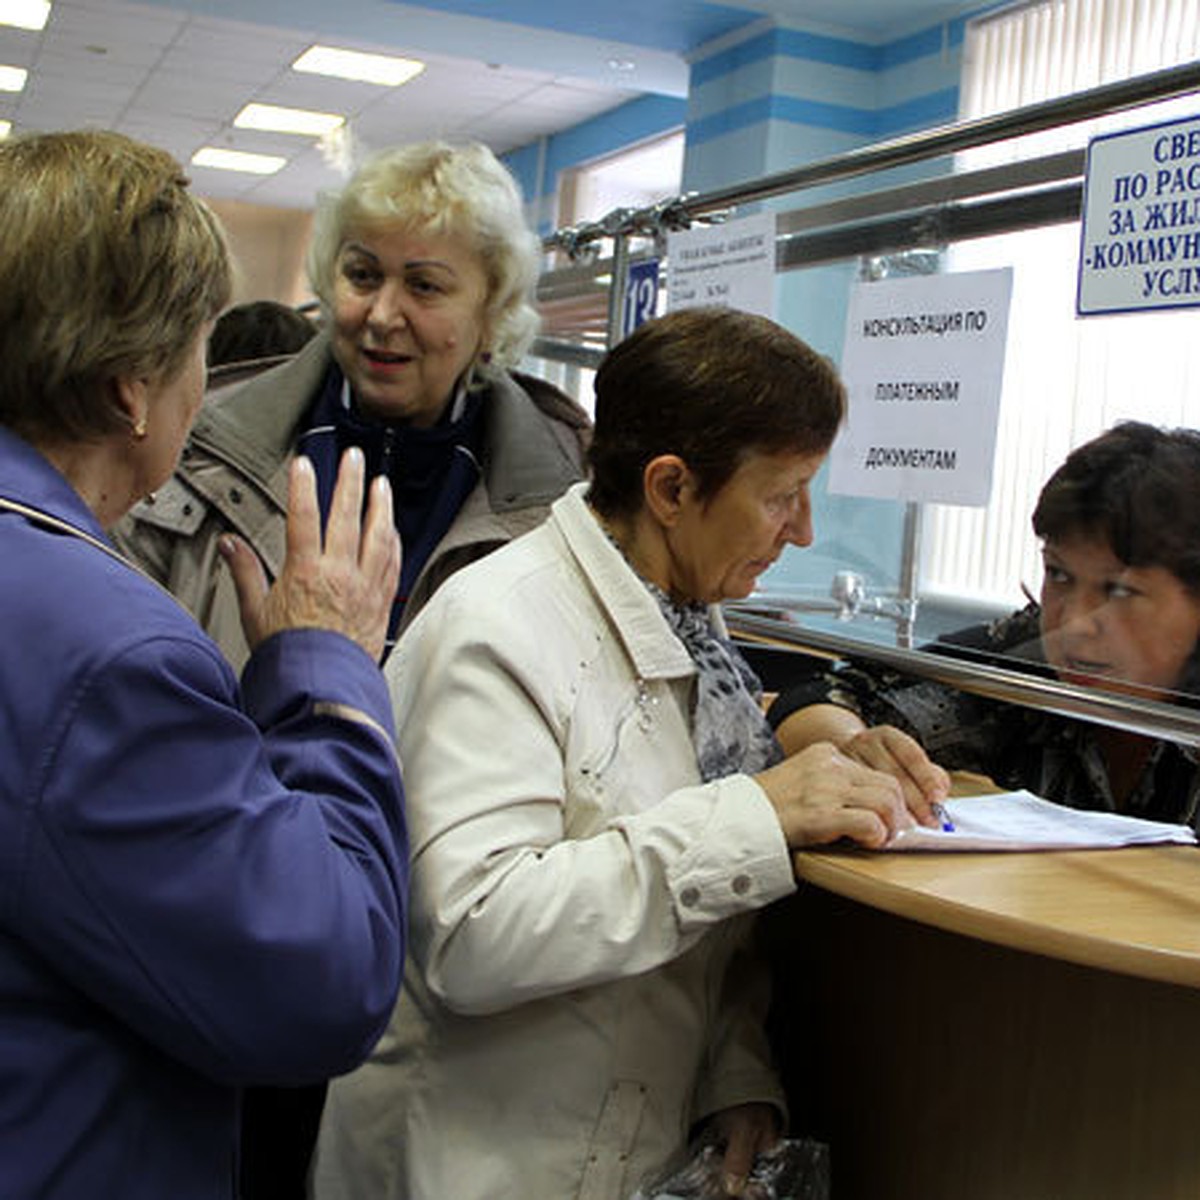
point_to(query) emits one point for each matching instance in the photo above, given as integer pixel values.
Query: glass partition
(954, 596)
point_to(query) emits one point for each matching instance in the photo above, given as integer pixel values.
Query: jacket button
(741, 885)
(235, 494)
(689, 897)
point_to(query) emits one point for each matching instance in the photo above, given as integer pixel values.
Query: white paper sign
(923, 363)
(1140, 234)
(730, 265)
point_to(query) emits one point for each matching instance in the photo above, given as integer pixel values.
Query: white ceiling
(176, 72)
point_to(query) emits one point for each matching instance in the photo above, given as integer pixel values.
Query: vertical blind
(1065, 378)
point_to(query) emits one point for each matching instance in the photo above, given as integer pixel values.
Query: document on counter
(1023, 821)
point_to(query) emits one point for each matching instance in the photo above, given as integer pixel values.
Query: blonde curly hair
(457, 191)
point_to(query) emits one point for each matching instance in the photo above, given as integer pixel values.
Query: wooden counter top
(1134, 910)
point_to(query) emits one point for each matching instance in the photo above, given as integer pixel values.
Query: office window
(1066, 378)
(635, 177)
(631, 178)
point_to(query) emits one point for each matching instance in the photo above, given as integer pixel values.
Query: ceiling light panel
(25, 14)
(5, 129)
(275, 119)
(363, 68)
(12, 79)
(237, 160)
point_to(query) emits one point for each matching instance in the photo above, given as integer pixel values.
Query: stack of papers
(1023, 821)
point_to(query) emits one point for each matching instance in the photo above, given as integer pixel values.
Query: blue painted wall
(832, 93)
(537, 167)
(779, 98)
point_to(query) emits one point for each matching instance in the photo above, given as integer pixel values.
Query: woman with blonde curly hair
(425, 269)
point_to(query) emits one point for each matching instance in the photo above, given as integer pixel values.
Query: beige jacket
(579, 991)
(232, 477)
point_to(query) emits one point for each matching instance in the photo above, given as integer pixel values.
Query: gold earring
(139, 428)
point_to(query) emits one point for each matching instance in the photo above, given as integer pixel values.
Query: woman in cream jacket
(597, 805)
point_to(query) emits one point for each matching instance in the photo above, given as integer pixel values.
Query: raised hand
(347, 583)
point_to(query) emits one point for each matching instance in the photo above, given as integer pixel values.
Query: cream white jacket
(579, 994)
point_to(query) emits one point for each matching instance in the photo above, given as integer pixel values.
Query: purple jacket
(201, 888)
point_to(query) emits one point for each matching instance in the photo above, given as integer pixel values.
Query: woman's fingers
(303, 538)
(862, 825)
(746, 1131)
(343, 530)
(249, 582)
(821, 795)
(885, 748)
(345, 581)
(379, 553)
(878, 794)
(923, 781)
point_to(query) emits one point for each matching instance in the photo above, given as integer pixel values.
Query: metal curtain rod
(896, 152)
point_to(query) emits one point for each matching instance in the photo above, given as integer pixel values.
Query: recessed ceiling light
(365, 68)
(25, 14)
(5, 129)
(12, 79)
(288, 120)
(621, 64)
(237, 160)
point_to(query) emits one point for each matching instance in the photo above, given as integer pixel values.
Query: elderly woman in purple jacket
(202, 886)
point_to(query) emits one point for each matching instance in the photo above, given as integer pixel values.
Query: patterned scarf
(729, 731)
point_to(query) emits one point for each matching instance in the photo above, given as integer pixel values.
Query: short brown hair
(711, 385)
(258, 329)
(1135, 487)
(110, 269)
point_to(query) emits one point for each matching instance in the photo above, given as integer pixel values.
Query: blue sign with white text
(641, 295)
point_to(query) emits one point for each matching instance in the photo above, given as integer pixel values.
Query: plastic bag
(793, 1169)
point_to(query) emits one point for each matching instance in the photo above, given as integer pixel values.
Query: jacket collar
(524, 463)
(654, 649)
(31, 479)
(253, 426)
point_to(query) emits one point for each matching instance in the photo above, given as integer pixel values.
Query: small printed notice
(730, 265)
(1140, 233)
(923, 364)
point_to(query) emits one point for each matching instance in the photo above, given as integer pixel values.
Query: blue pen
(939, 811)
